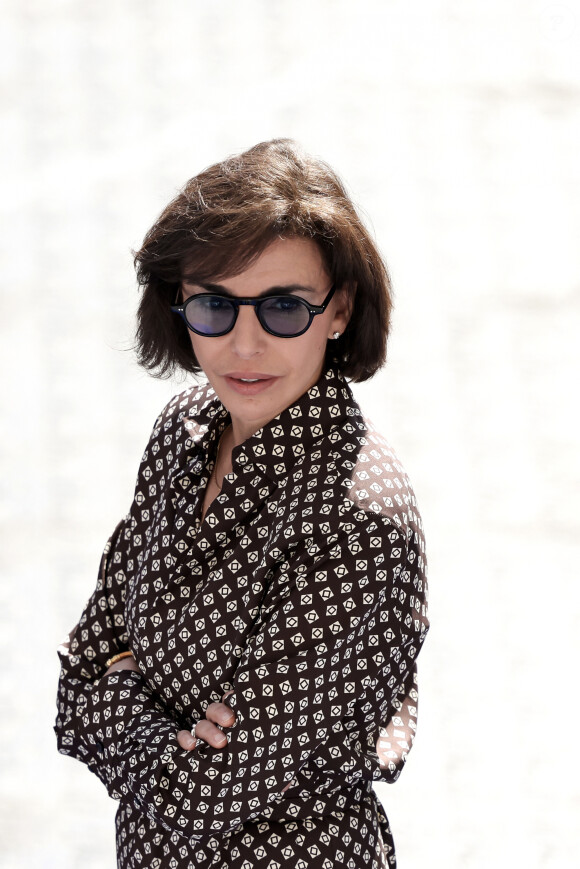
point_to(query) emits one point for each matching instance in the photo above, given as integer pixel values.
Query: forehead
(285, 260)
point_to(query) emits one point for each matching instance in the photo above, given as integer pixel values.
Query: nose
(248, 337)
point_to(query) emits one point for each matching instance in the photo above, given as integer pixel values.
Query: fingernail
(191, 742)
(222, 739)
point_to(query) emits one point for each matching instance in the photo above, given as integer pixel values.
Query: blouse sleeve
(100, 634)
(396, 737)
(346, 616)
(376, 748)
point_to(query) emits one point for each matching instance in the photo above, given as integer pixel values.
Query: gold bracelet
(116, 658)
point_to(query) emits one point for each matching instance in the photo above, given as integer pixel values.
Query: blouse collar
(280, 443)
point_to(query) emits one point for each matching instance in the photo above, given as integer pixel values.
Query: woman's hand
(219, 713)
(207, 729)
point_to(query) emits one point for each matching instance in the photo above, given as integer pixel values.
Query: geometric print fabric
(303, 591)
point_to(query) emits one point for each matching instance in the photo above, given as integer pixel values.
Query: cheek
(317, 335)
(205, 349)
(311, 349)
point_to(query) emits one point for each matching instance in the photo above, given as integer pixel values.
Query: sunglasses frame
(236, 301)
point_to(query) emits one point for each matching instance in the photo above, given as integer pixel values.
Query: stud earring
(336, 335)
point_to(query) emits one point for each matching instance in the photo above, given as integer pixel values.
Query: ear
(343, 303)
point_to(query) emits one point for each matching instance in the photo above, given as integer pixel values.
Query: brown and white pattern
(304, 591)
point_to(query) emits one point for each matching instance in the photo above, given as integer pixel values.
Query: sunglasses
(212, 315)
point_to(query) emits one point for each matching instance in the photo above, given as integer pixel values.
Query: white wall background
(456, 126)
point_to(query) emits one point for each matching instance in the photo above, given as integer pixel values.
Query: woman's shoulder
(372, 478)
(188, 411)
(178, 429)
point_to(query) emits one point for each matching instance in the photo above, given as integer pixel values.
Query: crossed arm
(217, 715)
(210, 728)
(285, 706)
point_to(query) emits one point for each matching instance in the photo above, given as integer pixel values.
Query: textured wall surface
(456, 126)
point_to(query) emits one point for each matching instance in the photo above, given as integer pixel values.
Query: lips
(249, 382)
(249, 375)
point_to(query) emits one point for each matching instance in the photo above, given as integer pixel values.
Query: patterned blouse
(303, 591)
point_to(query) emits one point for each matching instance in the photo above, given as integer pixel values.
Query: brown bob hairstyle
(226, 216)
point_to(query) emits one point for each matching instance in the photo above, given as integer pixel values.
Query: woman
(245, 668)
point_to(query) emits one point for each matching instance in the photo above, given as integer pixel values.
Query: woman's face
(285, 367)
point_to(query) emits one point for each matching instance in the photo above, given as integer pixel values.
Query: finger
(227, 694)
(221, 714)
(186, 739)
(210, 733)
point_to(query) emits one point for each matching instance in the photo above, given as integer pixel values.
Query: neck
(241, 431)
(223, 458)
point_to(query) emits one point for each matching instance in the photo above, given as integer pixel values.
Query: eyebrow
(272, 291)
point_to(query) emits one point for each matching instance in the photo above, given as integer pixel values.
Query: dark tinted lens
(209, 315)
(285, 315)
